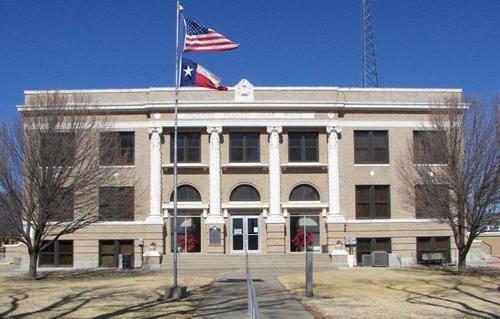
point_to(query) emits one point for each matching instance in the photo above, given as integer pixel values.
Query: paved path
(228, 298)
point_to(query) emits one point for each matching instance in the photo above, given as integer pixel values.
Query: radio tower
(369, 75)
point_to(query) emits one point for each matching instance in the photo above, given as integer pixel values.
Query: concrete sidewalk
(228, 298)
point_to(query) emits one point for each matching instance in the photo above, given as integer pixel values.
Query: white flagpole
(178, 56)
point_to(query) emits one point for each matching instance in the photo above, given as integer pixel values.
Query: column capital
(155, 129)
(214, 129)
(334, 128)
(272, 129)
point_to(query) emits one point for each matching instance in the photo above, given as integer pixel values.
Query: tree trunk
(461, 264)
(33, 265)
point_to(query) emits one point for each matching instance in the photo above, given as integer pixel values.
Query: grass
(97, 294)
(399, 293)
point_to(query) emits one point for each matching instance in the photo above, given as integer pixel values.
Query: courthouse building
(277, 170)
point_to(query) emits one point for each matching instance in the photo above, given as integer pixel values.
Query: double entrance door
(245, 234)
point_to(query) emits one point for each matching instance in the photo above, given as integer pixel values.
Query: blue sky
(126, 44)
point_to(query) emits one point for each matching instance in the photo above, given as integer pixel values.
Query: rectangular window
(371, 147)
(369, 245)
(188, 234)
(109, 251)
(433, 250)
(244, 147)
(117, 148)
(188, 148)
(57, 149)
(305, 233)
(116, 203)
(67, 204)
(303, 147)
(431, 201)
(58, 253)
(427, 147)
(373, 202)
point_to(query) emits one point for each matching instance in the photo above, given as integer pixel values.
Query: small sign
(214, 236)
(238, 231)
(350, 241)
(256, 230)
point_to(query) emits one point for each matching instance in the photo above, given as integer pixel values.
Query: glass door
(245, 234)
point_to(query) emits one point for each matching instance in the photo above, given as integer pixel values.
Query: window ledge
(304, 165)
(305, 204)
(243, 204)
(185, 165)
(185, 205)
(117, 166)
(380, 165)
(431, 165)
(390, 221)
(244, 165)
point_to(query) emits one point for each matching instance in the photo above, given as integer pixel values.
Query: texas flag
(193, 74)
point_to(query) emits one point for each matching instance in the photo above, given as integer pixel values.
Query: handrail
(253, 305)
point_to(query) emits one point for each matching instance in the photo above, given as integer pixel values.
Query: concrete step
(237, 262)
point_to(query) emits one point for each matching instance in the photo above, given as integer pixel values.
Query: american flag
(202, 39)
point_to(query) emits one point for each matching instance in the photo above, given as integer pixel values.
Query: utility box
(125, 261)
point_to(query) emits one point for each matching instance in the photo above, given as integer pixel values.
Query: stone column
(334, 215)
(155, 212)
(275, 216)
(215, 214)
(275, 220)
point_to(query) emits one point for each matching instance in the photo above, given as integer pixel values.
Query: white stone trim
(376, 165)
(304, 204)
(123, 223)
(184, 205)
(262, 88)
(245, 205)
(303, 164)
(391, 221)
(490, 233)
(275, 215)
(244, 165)
(266, 123)
(186, 165)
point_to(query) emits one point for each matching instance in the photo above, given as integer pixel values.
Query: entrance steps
(267, 261)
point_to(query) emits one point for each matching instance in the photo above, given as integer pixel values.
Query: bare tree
(50, 169)
(449, 171)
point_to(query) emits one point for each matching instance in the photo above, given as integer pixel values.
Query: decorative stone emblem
(243, 91)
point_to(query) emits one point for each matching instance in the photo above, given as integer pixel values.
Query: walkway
(228, 296)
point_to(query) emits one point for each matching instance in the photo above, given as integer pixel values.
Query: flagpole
(177, 80)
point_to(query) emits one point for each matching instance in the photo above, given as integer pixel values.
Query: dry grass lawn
(128, 294)
(401, 293)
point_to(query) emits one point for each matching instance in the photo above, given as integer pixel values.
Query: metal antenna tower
(369, 75)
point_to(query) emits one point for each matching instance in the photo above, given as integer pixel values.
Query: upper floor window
(371, 147)
(117, 148)
(431, 201)
(66, 204)
(372, 202)
(244, 193)
(304, 193)
(116, 203)
(244, 147)
(186, 193)
(428, 147)
(57, 149)
(188, 148)
(303, 147)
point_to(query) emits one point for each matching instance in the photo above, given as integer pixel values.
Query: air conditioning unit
(380, 259)
(366, 260)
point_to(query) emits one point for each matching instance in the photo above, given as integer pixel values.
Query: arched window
(244, 193)
(304, 193)
(186, 193)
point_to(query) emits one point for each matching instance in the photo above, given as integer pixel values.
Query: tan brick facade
(398, 111)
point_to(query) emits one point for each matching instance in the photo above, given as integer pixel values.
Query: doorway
(245, 234)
